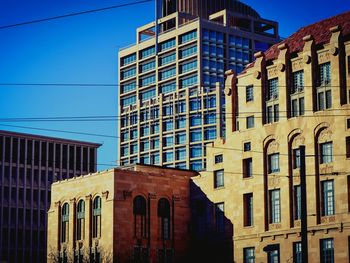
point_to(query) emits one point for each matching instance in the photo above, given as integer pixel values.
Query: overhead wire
(73, 14)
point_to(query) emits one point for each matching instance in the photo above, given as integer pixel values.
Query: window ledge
(219, 187)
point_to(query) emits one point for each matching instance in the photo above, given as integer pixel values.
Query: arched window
(96, 220)
(164, 216)
(65, 223)
(80, 220)
(139, 209)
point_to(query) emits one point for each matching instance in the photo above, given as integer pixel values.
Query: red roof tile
(319, 31)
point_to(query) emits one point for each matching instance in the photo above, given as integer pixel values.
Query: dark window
(297, 256)
(348, 64)
(296, 158)
(220, 217)
(219, 158)
(326, 150)
(298, 82)
(324, 74)
(164, 216)
(96, 219)
(274, 163)
(247, 146)
(249, 255)
(347, 141)
(218, 178)
(328, 207)
(297, 202)
(348, 123)
(274, 255)
(327, 250)
(65, 223)
(248, 209)
(249, 93)
(80, 220)
(250, 122)
(139, 210)
(247, 168)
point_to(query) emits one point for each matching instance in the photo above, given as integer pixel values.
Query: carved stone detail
(333, 51)
(281, 67)
(228, 91)
(105, 194)
(297, 223)
(326, 169)
(297, 65)
(323, 57)
(257, 74)
(152, 195)
(272, 72)
(273, 181)
(306, 59)
(327, 219)
(273, 147)
(325, 136)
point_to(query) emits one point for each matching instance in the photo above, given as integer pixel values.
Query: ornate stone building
(136, 214)
(297, 93)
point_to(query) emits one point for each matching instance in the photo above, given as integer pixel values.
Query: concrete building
(28, 166)
(169, 103)
(136, 214)
(297, 93)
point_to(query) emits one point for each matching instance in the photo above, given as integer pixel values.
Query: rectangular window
(167, 87)
(167, 44)
(218, 158)
(168, 125)
(168, 73)
(247, 168)
(168, 156)
(348, 64)
(249, 255)
(128, 59)
(246, 146)
(210, 117)
(297, 202)
(326, 150)
(196, 151)
(210, 133)
(196, 165)
(297, 107)
(147, 66)
(250, 122)
(168, 141)
(167, 59)
(348, 123)
(272, 89)
(219, 217)
(180, 123)
(195, 104)
(275, 206)
(181, 106)
(218, 178)
(188, 37)
(298, 82)
(297, 256)
(324, 74)
(147, 52)
(347, 142)
(188, 51)
(196, 135)
(248, 209)
(328, 207)
(327, 250)
(195, 120)
(188, 81)
(274, 163)
(188, 66)
(180, 138)
(274, 255)
(296, 158)
(180, 153)
(249, 91)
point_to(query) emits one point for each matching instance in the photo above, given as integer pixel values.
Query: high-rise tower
(170, 105)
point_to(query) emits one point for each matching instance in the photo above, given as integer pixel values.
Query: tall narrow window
(249, 255)
(328, 198)
(247, 167)
(164, 216)
(272, 92)
(250, 122)
(347, 142)
(219, 217)
(327, 250)
(65, 223)
(297, 202)
(297, 256)
(218, 178)
(324, 89)
(80, 220)
(274, 255)
(248, 209)
(326, 150)
(96, 219)
(296, 158)
(275, 206)
(274, 163)
(139, 210)
(249, 93)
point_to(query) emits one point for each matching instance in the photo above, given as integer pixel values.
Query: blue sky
(83, 49)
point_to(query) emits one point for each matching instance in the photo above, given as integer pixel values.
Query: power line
(74, 14)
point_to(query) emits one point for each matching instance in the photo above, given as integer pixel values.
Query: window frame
(219, 179)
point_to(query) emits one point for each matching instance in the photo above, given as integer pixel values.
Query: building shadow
(211, 231)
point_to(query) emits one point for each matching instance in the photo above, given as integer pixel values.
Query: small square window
(219, 158)
(247, 146)
(247, 167)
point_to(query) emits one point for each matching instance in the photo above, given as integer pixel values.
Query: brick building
(297, 93)
(139, 213)
(28, 165)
